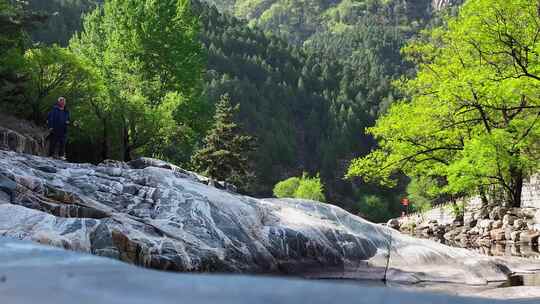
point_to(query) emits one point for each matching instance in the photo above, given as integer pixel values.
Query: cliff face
(154, 215)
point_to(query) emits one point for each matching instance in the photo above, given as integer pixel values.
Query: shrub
(306, 187)
(287, 187)
(310, 188)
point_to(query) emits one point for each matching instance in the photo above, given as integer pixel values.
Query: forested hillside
(308, 76)
(307, 109)
(351, 55)
(300, 21)
(64, 17)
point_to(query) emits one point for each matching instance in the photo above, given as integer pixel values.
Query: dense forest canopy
(64, 18)
(300, 21)
(309, 78)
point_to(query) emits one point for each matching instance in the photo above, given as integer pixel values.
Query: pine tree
(225, 156)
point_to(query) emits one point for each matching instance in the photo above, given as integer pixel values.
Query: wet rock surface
(31, 273)
(152, 214)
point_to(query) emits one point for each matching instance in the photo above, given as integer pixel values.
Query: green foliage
(63, 19)
(53, 71)
(308, 106)
(15, 22)
(148, 63)
(472, 118)
(374, 208)
(225, 155)
(409, 226)
(305, 187)
(299, 21)
(457, 208)
(32, 78)
(422, 192)
(287, 187)
(310, 188)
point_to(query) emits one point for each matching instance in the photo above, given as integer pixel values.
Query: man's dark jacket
(58, 121)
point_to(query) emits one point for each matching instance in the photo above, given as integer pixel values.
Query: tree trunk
(483, 196)
(126, 144)
(516, 186)
(105, 142)
(36, 113)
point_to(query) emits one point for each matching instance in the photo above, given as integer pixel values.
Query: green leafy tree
(149, 62)
(473, 115)
(305, 187)
(286, 188)
(63, 19)
(310, 188)
(15, 22)
(53, 72)
(422, 193)
(226, 151)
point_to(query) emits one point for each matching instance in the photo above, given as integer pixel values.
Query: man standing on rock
(58, 121)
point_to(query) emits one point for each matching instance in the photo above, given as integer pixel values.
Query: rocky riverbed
(153, 214)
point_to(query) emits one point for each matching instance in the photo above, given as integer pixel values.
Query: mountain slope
(299, 20)
(297, 102)
(64, 18)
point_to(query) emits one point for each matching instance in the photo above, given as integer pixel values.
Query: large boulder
(163, 218)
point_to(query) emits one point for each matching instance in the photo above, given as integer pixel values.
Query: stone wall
(473, 206)
(473, 210)
(442, 214)
(530, 196)
(482, 224)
